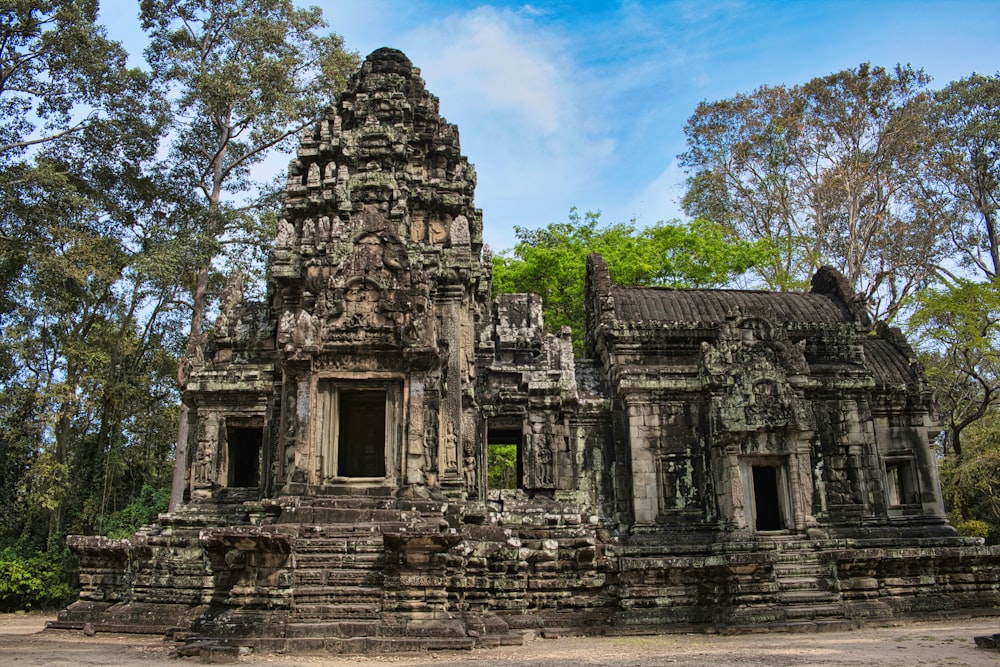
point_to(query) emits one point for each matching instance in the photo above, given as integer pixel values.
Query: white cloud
(523, 111)
(660, 199)
(495, 62)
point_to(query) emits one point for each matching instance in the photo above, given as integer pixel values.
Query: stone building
(717, 458)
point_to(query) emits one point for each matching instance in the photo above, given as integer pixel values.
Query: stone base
(380, 574)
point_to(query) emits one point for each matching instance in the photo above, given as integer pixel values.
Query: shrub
(141, 511)
(33, 582)
(973, 528)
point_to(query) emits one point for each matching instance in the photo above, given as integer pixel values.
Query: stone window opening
(767, 497)
(359, 426)
(243, 447)
(900, 489)
(504, 451)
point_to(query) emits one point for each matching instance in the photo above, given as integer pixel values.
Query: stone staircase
(338, 573)
(338, 584)
(806, 586)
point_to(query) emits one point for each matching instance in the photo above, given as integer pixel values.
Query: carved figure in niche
(431, 443)
(204, 466)
(460, 231)
(469, 465)
(229, 306)
(545, 461)
(450, 448)
(308, 232)
(312, 178)
(819, 484)
(437, 231)
(304, 333)
(285, 236)
(541, 444)
(203, 469)
(285, 327)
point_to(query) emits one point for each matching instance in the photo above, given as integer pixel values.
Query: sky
(583, 104)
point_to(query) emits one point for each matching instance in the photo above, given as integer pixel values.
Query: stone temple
(718, 459)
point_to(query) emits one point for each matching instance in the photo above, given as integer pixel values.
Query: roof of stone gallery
(888, 364)
(711, 306)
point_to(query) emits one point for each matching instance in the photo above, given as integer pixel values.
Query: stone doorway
(767, 500)
(244, 445)
(361, 442)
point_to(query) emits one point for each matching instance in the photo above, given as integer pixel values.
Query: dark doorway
(503, 459)
(766, 500)
(361, 445)
(244, 455)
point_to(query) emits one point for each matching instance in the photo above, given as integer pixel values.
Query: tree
(245, 77)
(965, 170)
(551, 262)
(83, 348)
(60, 73)
(959, 326)
(830, 172)
(971, 484)
(958, 320)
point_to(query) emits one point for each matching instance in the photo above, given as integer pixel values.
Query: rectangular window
(243, 451)
(899, 483)
(503, 459)
(358, 427)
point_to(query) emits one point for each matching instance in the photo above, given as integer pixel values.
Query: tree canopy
(551, 261)
(830, 172)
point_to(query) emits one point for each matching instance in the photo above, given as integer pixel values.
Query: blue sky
(563, 104)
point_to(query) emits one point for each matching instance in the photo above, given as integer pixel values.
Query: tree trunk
(194, 352)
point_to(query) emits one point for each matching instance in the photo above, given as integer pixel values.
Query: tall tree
(965, 170)
(830, 172)
(551, 261)
(76, 126)
(959, 319)
(245, 76)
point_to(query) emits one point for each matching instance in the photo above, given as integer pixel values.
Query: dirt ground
(24, 643)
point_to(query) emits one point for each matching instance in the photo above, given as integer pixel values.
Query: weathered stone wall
(719, 458)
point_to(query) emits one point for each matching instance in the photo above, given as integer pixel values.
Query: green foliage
(965, 169)
(971, 481)
(959, 325)
(140, 512)
(61, 75)
(551, 262)
(35, 582)
(501, 466)
(973, 528)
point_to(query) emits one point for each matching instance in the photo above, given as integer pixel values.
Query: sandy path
(925, 644)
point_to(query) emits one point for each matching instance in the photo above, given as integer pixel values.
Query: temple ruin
(717, 459)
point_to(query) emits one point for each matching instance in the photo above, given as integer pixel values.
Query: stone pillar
(450, 456)
(801, 481)
(929, 483)
(413, 460)
(645, 494)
